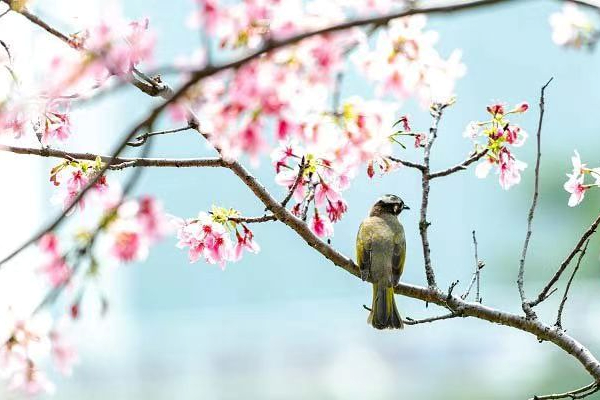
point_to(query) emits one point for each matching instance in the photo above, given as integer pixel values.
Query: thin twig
(254, 220)
(459, 167)
(297, 181)
(436, 112)
(546, 291)
(574, 394)
(141, 139)
(524, 304)
(409, 164)
(410, 321)
(119, 162)
(478, 266)
(564, 298)
(308, 199)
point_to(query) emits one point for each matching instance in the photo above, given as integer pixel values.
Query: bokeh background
(286, 324)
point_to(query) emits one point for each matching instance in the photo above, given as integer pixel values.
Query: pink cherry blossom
(54, 265)
(500, 136)
(245, 242)
(64, 353)
(57, 124)
(322, 227)
(128, 246)
(575, 186)
(152, 219)
(521, 107)
(578, 166)
(13, 120)
(208, 239)
(336, 209)
(510, 170)
(571, 27)
(31, 381)
(325, 191)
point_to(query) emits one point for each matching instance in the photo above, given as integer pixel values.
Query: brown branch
(524, 304)
(476, 275)
(254, 220)
(574, 394)
(145, 84)
(546, 291)
(141, 139)
(410, 321)
(436, 112)
(564, 298)
(406, 163)
(118, 162)
(459, 167)
(299, 177)
(426, 294)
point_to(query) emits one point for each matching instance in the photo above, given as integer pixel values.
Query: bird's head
(390, 204)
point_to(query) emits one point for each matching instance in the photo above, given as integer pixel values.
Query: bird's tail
(384, 314)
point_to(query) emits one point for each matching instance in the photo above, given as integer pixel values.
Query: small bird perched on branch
(381, 251)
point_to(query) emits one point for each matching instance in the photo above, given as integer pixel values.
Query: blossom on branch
(576, 185)
(405, 62)
(499, 136)
(209, 236)
(29, 342)
(571, 27)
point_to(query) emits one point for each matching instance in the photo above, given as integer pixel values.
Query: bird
(381, 252)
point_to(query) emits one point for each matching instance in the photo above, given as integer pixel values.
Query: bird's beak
(405, 207)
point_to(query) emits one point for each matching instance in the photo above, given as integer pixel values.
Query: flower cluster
(289, 88)
(116, 47)
(405, 62)
(109, 49)
(499, 136)
(571, 27)
(54, 264)
(135, 226)
(72, 176)
(29, 342)
(575, 184)
(318, 180)
(209, 236)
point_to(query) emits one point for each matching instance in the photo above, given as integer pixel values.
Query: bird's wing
(364, 248)
(398, 257)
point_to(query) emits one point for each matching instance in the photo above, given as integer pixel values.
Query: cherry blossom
(54, 265)
(571, 27)
(209, 236)
(322, 227)
(499, 136)
(20, 356)
(577, 189)
(576, 185)
(405, 62)
(72, 176)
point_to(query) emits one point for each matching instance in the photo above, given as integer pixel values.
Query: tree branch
(141, 139)
(478, 266)
(524, 304)
(564, 298)
(459, 167)
(436, 112)
(410, 321)
(299, 177)
(406, 163)
(254, 220)
(574, 394)
(119, 162)
(546, 291)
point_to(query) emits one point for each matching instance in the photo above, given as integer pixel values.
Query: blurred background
(287, 324)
